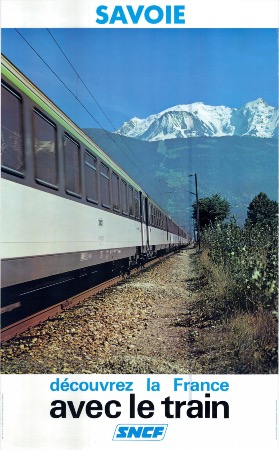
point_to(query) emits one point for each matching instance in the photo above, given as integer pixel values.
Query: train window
(91, 178)
(45, 150)
(130, 200)
(12, 156)
(136, 195)
(115, 192)
(105, 195)
(124, 199)
(72, 167)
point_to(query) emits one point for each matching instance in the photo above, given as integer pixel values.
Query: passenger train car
(66, 206)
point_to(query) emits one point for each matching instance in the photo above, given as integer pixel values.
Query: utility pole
(198, 210)
(198, 213)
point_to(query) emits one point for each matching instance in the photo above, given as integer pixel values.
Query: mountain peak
(256, 103)
(255, 118)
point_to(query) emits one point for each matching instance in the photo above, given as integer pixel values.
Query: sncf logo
(139, 432)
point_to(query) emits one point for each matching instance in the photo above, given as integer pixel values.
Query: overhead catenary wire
(84, 107)
(79, 77)
(96, 101)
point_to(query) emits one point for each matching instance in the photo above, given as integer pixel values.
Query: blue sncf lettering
(140, 432)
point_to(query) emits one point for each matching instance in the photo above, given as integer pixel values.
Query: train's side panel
(36, 225)
(158, 237)
(43, 235)
(162, 239)
(39, 223)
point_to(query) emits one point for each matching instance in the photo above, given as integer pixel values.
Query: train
(68, 211)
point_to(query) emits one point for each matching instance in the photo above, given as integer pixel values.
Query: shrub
(253, 342)
(249, 258)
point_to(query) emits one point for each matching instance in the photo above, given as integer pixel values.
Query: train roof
(12, 73)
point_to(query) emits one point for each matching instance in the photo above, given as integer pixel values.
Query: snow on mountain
(256, 118)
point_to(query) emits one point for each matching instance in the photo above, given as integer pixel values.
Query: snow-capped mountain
(255, 118)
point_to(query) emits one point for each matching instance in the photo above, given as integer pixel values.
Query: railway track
(30, 321)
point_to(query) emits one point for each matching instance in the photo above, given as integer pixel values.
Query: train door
(167, 226)
(170, 233)
(146, 222)
(142, 224)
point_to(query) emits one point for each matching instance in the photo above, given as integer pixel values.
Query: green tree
(212, 210)
(262, 211)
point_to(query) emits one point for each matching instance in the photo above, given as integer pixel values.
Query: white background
(198, 13)
(27, 423)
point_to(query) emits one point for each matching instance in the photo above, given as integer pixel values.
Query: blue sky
(138, 72)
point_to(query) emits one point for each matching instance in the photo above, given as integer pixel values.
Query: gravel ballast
(129, 328)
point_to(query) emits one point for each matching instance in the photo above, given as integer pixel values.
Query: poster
(75, 410)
